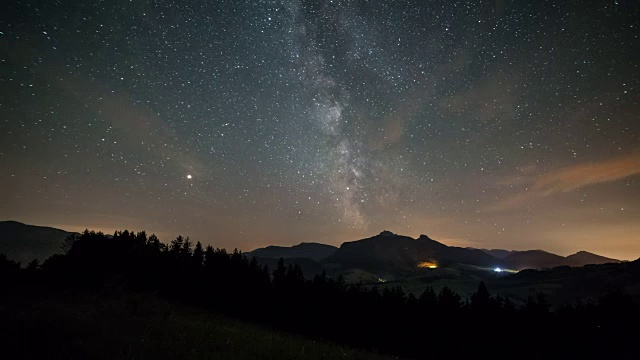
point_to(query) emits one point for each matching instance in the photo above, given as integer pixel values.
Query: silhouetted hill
(383, 253)
(533, 259)
(565, 283)
(443, 254)
(381, 317)
(391, 253)
(498, 253)
(538, 259)
(23, 243)
(313, 251)
(309, 267)
(582, 258)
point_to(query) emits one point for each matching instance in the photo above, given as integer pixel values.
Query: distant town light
(497, 269)
(427, 264)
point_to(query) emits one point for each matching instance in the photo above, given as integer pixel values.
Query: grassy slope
(561, 285)
(137, 326)
(464, 280)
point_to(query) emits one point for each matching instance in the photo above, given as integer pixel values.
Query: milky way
(505, 124)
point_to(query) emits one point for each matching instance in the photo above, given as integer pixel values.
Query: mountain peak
(582, 258)
(386, 233)
(23, 243)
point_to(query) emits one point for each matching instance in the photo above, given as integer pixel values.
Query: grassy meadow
(143, 326)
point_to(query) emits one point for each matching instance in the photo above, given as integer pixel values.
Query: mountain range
(24, 243)
(391, 253)
(385, 253)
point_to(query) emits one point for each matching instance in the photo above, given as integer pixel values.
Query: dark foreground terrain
(118, 325)
(130, 296)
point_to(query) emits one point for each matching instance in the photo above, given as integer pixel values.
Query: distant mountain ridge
(23, 243)
(383, 253)
(310, 250)
(392, 253)
(582, 258)
(533, 259)
(540, 259)
(499, 253)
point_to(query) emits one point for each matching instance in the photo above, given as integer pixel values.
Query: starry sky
(491, 124)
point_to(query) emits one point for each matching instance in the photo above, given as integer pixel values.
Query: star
(483, 115)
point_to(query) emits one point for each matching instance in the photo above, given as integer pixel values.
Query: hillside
(143, 326)
(498, 253)
(383, 253)
(389, 253)
(533, 259)
(565, 284)
(313, 251)
(444, 255)
(539, 259)
(76, 303)
(582, 258)
(23, 243)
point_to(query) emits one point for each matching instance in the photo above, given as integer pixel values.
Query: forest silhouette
(388, 320)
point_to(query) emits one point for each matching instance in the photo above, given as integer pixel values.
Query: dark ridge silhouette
(386, 253)
(391, 253)
(585, 282)
(313, 251)
(533, 259)
(24, 243)
(431, 249)
(538, 259)
(434, 324)
(383, 253)
(582, 258)
(498, 253)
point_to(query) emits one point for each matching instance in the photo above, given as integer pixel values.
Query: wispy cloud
(567, 179)
(137, 124)
(513, 202)
(575, 177)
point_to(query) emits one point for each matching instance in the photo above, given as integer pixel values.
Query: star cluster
(242, 123)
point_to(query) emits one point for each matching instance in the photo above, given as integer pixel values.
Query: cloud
(575, 177)
(513, 202)
(566, 179)
(136, 124)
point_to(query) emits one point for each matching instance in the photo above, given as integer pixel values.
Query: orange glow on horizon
(427, 264)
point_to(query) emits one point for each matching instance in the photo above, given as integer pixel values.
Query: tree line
(388, 320)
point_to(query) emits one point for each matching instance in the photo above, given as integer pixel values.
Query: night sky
(495, 124)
